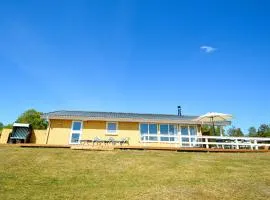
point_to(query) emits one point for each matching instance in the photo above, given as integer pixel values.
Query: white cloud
(208, 49)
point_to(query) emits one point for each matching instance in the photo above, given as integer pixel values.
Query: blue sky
(136, 56)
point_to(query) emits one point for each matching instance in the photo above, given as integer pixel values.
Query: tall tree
(1, 127)
(32, 117)
(264, 130)
(8, 126)
(235, 132)
(252, 132)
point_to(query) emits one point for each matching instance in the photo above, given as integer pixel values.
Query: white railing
(207, 141)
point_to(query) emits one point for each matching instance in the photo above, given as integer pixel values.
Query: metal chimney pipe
(179, 111)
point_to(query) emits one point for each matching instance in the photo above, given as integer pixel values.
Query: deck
(127, 147)
(189, 149)
(35, 145)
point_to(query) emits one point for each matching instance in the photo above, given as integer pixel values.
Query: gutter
(140, 120)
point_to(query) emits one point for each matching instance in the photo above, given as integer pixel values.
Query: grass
(31, 173)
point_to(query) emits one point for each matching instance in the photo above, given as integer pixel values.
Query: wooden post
(250, 144)
(206, 141)
(256, 146)
(237, 146)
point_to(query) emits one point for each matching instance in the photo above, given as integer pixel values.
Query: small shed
(21, 133)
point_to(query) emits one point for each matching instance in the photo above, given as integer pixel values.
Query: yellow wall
(38, 137)
(59, 131)
(92, 129)
(5, 135)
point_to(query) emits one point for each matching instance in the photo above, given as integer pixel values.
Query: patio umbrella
(213, 117)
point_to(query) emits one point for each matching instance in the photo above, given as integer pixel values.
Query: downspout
(48, 131)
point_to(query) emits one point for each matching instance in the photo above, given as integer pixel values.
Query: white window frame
(151, 134)
(189, 136)
(148, 133)
(185, 136)
(110, 133)
(174, 135)
(196, 128)
(141, 133)
(75, 131)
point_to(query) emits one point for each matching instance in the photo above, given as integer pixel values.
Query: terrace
(220, 142)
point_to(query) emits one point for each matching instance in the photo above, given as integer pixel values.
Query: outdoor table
(85, 141)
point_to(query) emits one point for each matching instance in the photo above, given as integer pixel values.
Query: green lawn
(32, 173)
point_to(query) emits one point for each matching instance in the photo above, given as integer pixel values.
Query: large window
(148, 132)
(168, 132)
(153, 132)
(188, 133)
(144, 131)
(76, 131)
(192, 132)
(111, 127)
(184, 132)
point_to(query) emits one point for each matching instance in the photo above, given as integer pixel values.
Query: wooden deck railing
(208, 141)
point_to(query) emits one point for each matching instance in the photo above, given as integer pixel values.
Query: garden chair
(112, 140)
(96, 140)
(124, 141)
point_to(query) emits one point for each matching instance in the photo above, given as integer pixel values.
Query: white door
(76, 131)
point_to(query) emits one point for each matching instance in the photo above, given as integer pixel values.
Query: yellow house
(75, 127)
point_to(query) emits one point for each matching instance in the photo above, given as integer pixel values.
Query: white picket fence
(208, 141)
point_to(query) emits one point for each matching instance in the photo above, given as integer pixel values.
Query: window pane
(193, 130)
(144, 138)
(168, 139)
(111, 127)
(75, 138)
(184, 130)
(164, 138)
(153, 138)
(152, 128)
(164, 129)
(193, 139)
(144, 128)
(76, 126)
(172, 129)
(184, 139)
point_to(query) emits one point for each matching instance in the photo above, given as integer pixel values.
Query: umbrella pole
(213, 126)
